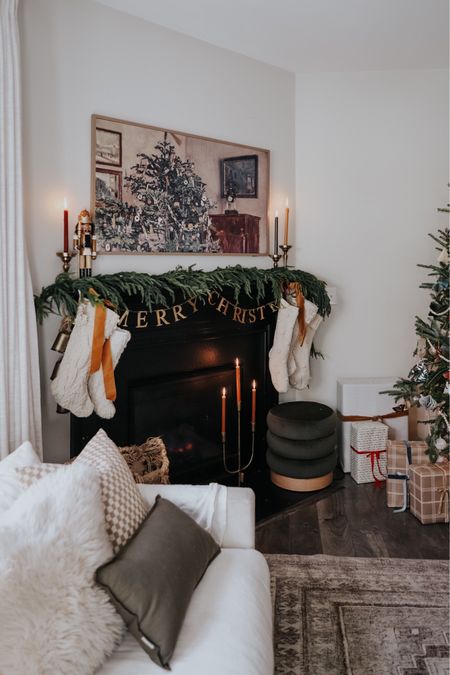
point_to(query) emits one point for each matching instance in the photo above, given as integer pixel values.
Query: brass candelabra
(239, 471)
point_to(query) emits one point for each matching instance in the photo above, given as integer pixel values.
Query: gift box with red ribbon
(428, 492)
(368, 443)
(359, 400)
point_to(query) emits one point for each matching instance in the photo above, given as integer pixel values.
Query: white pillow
(24, 455)
(53, 617)
(10, 485)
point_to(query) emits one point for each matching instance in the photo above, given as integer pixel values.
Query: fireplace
(169, 383)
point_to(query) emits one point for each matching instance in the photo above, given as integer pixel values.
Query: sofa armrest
(240, 532)
(240, 526)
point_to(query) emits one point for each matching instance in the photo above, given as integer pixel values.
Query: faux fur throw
(54, 620)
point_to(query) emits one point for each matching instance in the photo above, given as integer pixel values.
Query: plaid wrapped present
(428, 492)
(368, 443)
(400, 456)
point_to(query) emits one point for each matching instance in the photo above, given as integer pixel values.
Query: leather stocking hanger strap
(294, 289)
(101, 353)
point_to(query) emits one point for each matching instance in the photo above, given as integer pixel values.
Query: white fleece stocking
(299, 371)
(96, 385)
(278, 355)
(70, 384)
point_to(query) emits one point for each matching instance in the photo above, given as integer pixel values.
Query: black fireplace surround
(169, 383)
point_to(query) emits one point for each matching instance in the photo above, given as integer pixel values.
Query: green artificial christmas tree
(427, 384)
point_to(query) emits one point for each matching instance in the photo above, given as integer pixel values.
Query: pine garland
(161, 290)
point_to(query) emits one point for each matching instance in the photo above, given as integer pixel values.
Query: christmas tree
(427, 384)
(173, 214)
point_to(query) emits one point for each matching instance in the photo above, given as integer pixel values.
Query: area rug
(359, 616)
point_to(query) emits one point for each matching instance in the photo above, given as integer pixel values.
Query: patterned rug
(360, 616)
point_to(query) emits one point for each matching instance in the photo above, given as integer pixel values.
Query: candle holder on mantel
(276, 257)
(285, 248)
(239, 472)
(66, 257)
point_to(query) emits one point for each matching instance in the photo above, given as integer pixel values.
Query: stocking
(278, 355)
(70, 384)
(102, 400)
(299, 373)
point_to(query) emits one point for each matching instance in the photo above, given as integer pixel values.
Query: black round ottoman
(301, 443)
(285, 447)
(301, 420)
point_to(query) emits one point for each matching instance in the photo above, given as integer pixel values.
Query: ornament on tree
(440, 443)
(443, 257)
(419, 372)
(427, 402)
(428, 383)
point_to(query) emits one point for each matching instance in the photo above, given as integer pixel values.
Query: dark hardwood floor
(350, 520)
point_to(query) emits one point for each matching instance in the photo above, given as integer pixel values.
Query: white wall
(81, 58)
(371, 168)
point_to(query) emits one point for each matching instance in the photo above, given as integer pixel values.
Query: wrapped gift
(368, 444)
(428, 492)
(359, 399)
(400, 456)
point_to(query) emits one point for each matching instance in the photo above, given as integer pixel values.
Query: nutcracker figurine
(85, 242)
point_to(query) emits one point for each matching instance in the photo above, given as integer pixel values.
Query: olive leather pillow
(152, 579)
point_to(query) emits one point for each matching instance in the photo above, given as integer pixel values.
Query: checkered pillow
(124, 507)
(27, 475)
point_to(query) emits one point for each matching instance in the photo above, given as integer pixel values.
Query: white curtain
(20, 408)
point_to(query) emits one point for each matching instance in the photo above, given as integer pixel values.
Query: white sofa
(228, 626)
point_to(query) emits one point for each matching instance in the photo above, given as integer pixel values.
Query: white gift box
(368, 445)
(361, 397)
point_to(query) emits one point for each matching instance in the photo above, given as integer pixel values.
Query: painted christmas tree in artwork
(174, 207)
(427, 384)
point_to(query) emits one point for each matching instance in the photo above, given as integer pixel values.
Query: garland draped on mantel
(161, 290)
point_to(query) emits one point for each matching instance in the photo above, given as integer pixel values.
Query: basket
(148, 462)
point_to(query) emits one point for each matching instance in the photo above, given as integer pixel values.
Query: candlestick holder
(276, 257)
(285, 248)
(239, 472)
(66, 257)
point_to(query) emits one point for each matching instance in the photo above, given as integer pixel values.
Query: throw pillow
(152, 579)
(10, 486)
(53, 617)
(24, 455)
(125, 508)
(27, 475)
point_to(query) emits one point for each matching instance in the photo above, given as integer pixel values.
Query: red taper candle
(66, 227)
(238, 382)
(224, 410)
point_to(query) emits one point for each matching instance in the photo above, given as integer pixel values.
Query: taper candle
(66, 227)
(238, 382)
(286, 224)
(275, 234)
(224, 410)
(253, 401)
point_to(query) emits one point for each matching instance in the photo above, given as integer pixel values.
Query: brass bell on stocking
(62, 338)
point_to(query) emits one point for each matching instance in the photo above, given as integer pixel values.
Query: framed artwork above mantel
(160, 191)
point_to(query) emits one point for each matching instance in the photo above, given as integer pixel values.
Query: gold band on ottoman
(301, 484)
